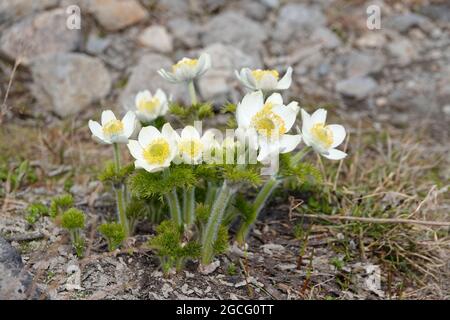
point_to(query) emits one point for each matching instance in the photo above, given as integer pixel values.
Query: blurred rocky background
(396, 74)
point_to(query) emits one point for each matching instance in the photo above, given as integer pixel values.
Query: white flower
(323, 139)
(266, 80)
(112, 130)
(187, 69)
(149, 107)
(191, 146)
(271, 120)
(154, 150)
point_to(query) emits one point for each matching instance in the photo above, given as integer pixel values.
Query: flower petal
(306, 121)
(135, 149)
(288, 142)
(338, 134)
(248, 107)
(147, 135)
(107, 116)
(275, 99)
(335, 154)
(319, 116)
(129, 123)
(286, 81)
(189, 132)
(96, 129)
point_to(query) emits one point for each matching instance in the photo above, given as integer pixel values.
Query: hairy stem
(301, 154)
(192, 92)
(189, 205)
(259, 203)
(120, 196)
(174, 207)
(214, 221)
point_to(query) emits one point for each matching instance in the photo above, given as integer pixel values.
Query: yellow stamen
(266, 122)
(112, 128)
(259, 74)
(185, 62)
(323, 134)
(191, 148)
(157, 152)
(148, 105)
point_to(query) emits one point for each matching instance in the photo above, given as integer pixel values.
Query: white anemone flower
(322, 138)
(187, 69)
(111, 130)
(271, 120)
(266, 80)
(191, 146)
(154, 150)
(149, 107)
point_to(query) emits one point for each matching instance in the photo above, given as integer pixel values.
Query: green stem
(192, 92)
(119, 190)
(121, 209)
(189, 205)
(174, 207)
(258, 204)
(214, 221)
(210, 193)
(301, 154)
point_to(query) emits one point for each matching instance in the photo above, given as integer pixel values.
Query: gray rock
(271, 3)
(174, 8)
(404, 22)
(68, 82)
(144, 76)
(327, 38)
(402, 50)
(253, 9)
(356, 87)
(297, 20)
(43, 34)
(217, 83)
(96, 44)
(361, 64)
(185, 31)
(115, 15)
(156, 38)
(237, 30)
(14, 281)
(440, 12)
(14, 9)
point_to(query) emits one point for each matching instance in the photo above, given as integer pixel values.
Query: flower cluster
(172, 164)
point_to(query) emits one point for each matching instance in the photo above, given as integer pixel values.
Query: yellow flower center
(112, 128)
(259, 74)
(266, 122)
(191, 148)
(157, 152)
(185, 63)
(148, 105)
(323, 134)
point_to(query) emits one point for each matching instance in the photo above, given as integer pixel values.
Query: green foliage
(79, 244)
(189, 114)
(228, 108)
(148, 185)
(73, 219)
(244, 207)
(170, 247)
(303, 173)
(60, 204)
(250, 174)
(232, 269)
(35, 211)
(17, 177)
(109, 173)
(113, 233)
(221, 244)
(202, 212)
